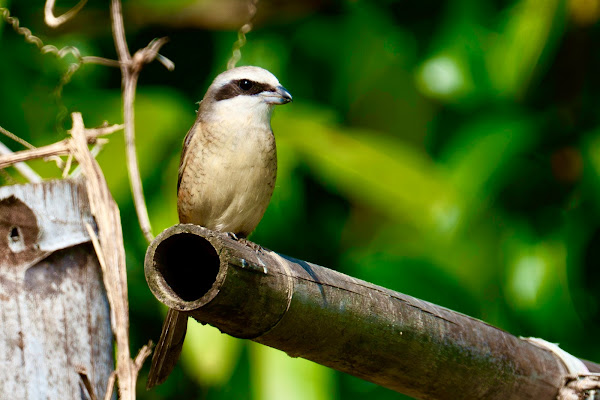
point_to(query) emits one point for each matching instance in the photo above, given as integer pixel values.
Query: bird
(227, 174)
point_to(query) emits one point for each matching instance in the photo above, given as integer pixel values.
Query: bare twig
(50, 49)
(67, 166)
(95, 150)
(53, 21)
(129, 82)
(143, 354)
(111, 254)
(119, 31)
(244, 30)
(103, 130)
(150, 53)
(135, 180)
(107, 62)
(17, 139)
(24, 143)
(110, 386)
(23, 168)
(55, 149)
(87, 384)
(130, 69)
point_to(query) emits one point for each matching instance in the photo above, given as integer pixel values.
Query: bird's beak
(279, 96)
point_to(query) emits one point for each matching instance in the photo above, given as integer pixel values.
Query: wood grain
(54, 315)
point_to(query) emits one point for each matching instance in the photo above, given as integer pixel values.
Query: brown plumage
(226, 175)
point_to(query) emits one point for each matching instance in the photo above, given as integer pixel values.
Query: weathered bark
(55, 332)
(308, 311)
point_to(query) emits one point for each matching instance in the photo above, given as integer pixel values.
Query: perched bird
(226, 174)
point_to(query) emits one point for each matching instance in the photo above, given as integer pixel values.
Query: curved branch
(54, 21)
(23, 168)
(130, 70)
(116, 13)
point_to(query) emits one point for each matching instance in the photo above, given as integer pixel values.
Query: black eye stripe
(233, 89)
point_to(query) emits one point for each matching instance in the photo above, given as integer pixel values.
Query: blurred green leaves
(530, 29)
(277, 376)
(369, 168)
(479, 157)
(445, 78)
(209, 355)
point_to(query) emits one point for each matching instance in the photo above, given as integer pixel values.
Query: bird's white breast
(229, 184)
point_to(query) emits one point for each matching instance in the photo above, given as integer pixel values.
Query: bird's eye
(245, 85)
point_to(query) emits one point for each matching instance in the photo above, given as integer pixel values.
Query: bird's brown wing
(185, 151)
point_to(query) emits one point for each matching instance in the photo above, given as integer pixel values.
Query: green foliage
(446, 149)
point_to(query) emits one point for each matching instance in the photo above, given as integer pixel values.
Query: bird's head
(244, 90)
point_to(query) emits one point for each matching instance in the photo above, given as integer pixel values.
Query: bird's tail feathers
(168, 349)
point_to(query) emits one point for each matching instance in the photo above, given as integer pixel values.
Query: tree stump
(55, 333)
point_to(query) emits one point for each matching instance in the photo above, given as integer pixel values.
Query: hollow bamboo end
(182, 267)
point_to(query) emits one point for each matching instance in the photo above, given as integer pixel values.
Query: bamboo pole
(394, 340)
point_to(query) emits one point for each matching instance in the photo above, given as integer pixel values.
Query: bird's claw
(232, 235)
(254, 246)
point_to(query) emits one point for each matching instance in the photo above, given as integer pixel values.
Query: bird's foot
(254, 246)
(233, 236)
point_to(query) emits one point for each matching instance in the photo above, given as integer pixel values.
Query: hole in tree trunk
(16, 242)
(14, 234)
